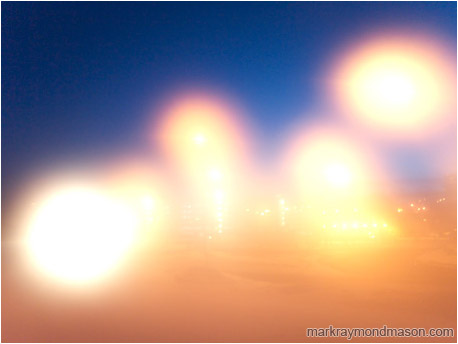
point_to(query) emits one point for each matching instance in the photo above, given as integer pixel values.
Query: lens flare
(79, 235)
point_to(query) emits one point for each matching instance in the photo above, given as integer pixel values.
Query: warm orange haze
(193, 239)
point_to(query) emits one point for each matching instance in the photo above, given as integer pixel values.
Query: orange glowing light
(324, 162)
(334, 176)
(204, 141)
(199, 131)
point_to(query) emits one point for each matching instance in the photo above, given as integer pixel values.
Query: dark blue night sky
(77, 78)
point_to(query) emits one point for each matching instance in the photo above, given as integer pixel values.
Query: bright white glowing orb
(338, 175)
(147, 203)
(389, 88)
(396, 83)
(79, 235)
(215, 175)
(199, 139)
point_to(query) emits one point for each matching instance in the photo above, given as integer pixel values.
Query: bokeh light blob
(79, 235)
(200, 131)
(404, 85)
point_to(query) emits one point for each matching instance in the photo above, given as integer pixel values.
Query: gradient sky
(77, 78)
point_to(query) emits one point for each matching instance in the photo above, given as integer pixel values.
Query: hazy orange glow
(405, 84)
(135, 181)
(334, 176)
(324, 162)
(224, 173)
(201, 134)
(140, 185)
(204, 139)
(200, 216)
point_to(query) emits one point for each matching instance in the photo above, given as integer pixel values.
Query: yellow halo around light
(329, 169)
(203, 135)
(200, 130)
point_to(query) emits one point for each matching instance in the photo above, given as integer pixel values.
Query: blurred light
(199, 139)
(215, 175)
(338, 175)
(322, 162)
(140, 185)
(147, 203)
(198, 131)
(398, 83)
(219, 195)
(79, 234)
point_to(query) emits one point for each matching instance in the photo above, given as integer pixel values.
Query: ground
(267, 288)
